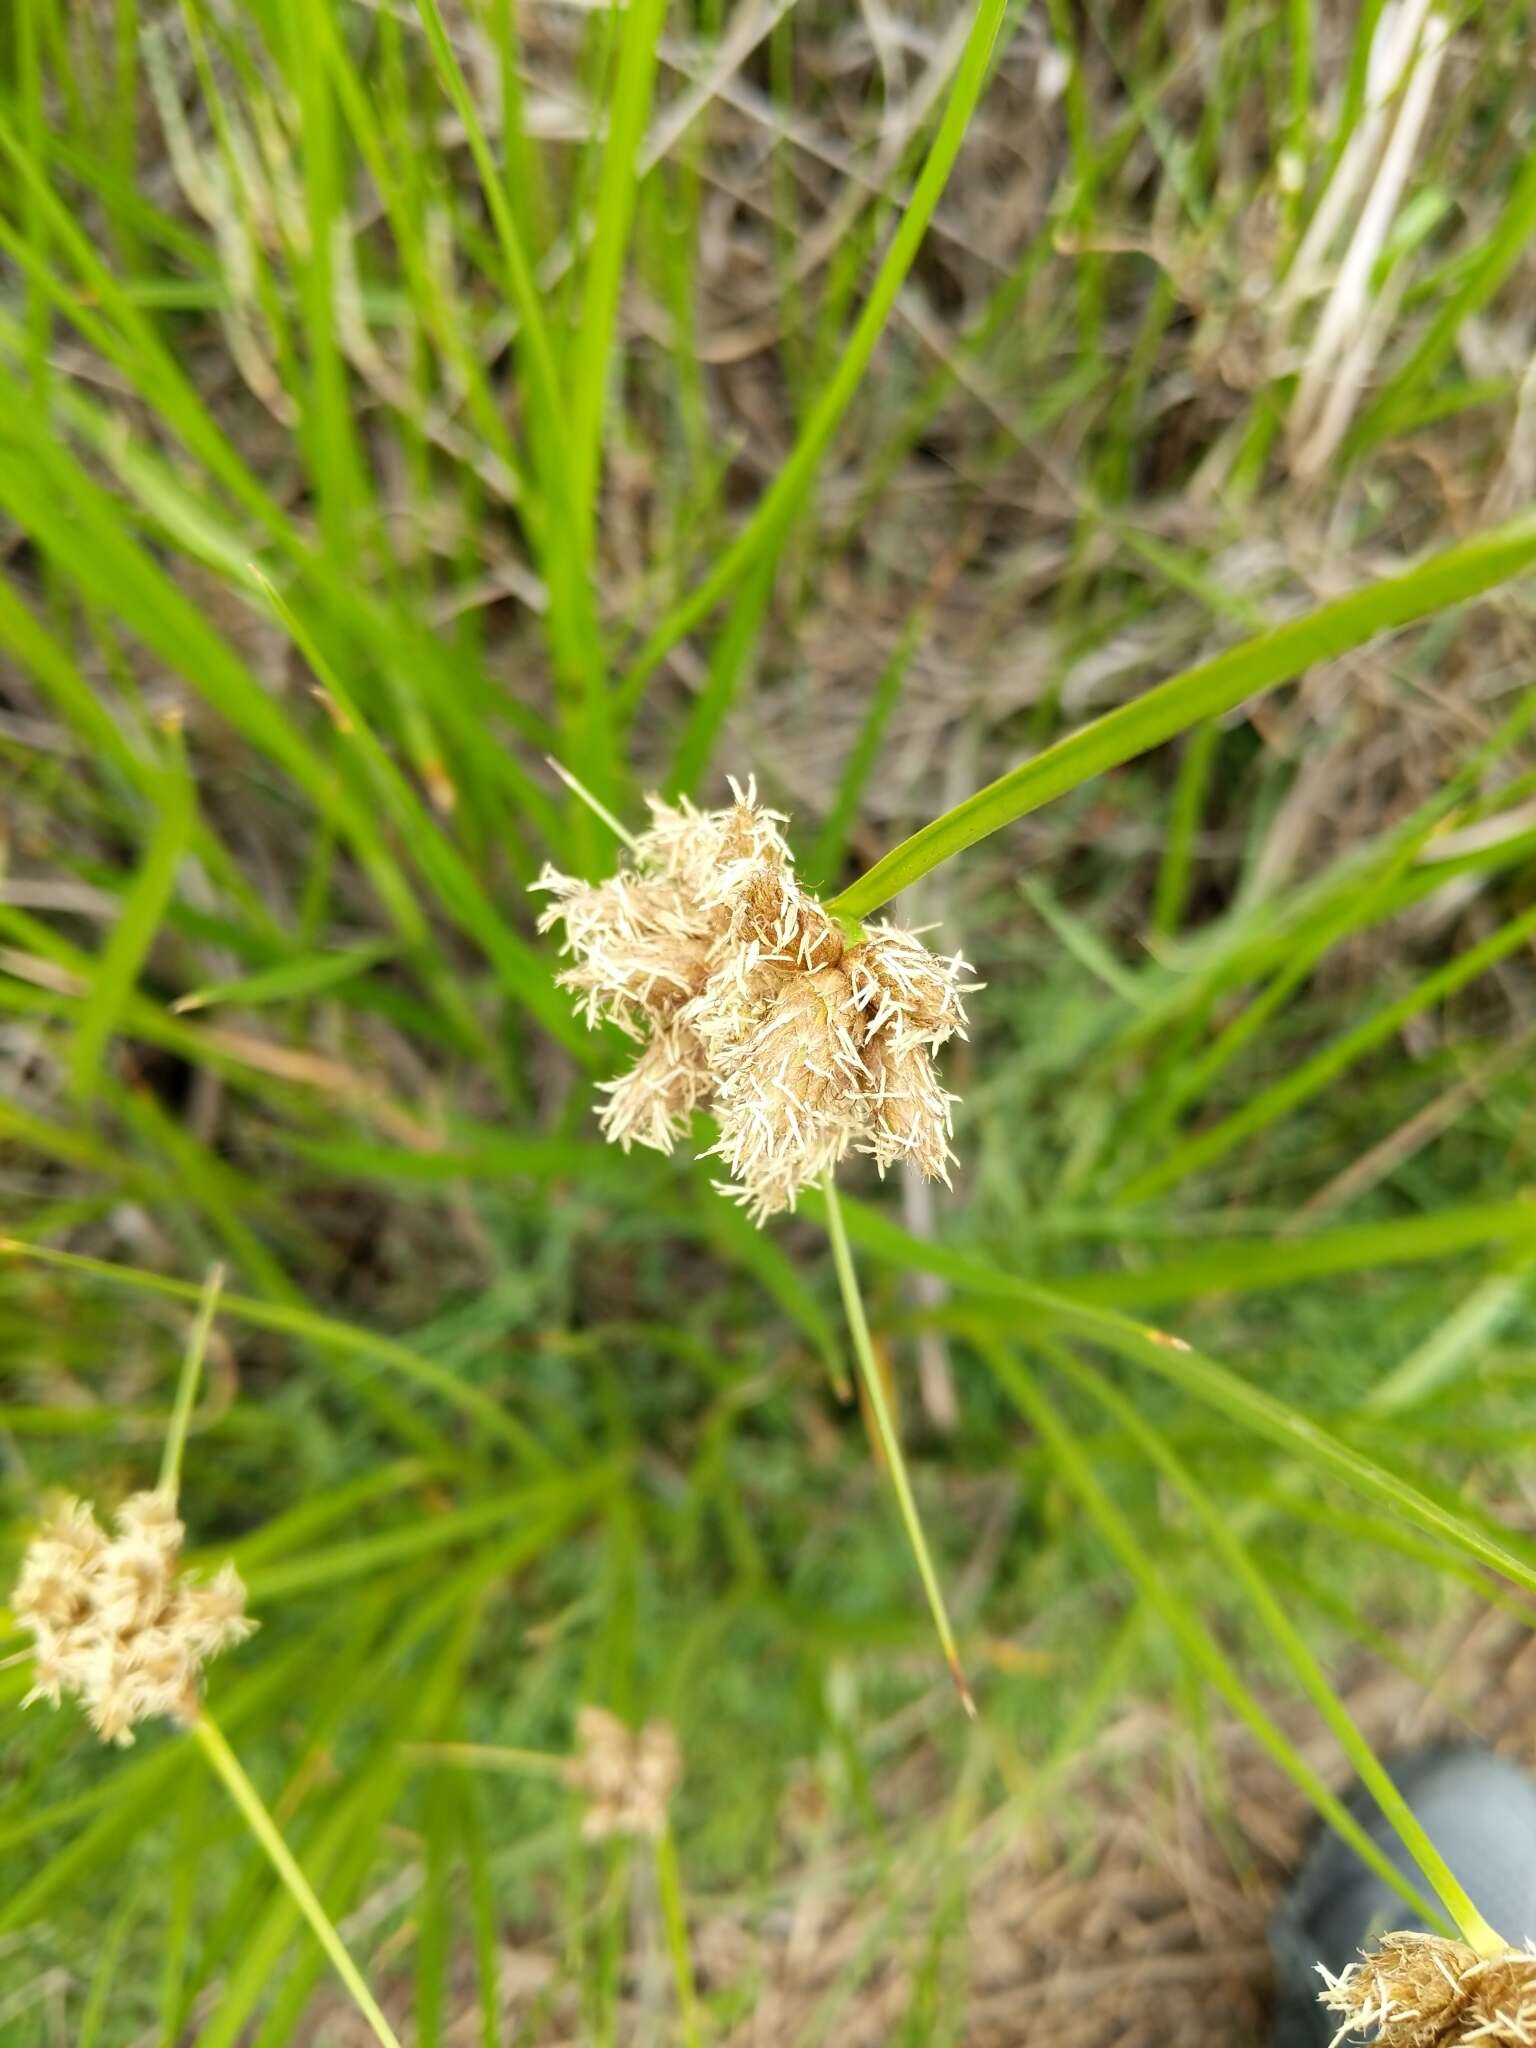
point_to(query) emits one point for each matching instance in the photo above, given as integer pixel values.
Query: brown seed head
(749, 1000)
(639, 948)
(706, 853)
(790, 1094)
(1420, 1991)
(774, 921)
(909, 1113)
(114, 1623)
(907, 992)
(653, 1101)
(627, 1778)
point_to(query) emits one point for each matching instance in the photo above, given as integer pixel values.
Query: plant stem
(598, 809)
(670, 1886)
(186, 1385)
(890, 1443)
(264, 1828)
(487, 1757)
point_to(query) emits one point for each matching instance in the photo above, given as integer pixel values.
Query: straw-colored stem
(186, 1385)
(669, 1885)
(890, 1442)
(264, 1828)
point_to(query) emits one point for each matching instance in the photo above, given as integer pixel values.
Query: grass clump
(1080, 464)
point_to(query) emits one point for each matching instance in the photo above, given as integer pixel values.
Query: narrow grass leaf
(308, 976)
(143, 909)
(1237, 1265)
(1215, 1387)
(483, 1917)
(104, 1979)
(1294, 1648)
(134, 1792)
(780, 1277)
(324, 1332)
(1442, 1354)
(1496, 257)
(1184, 1624)
(1243, 1265)
(730, 659)
(592, 370)
(1327, 1065)
(424, 1534)
(1177, 866)
(778, 505)
(1159, 714)
(521, 968)
(821, 863)
(890, 1441)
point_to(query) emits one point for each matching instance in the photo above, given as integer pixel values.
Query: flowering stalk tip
(626, 1776)
(807, 1035)
(1422, 1991)
(113, 1620)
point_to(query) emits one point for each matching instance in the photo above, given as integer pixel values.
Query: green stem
(480, 1756)
(890, 1443)
(598, 809)
(186, 1386)
(669, 1884)
(264, 1828)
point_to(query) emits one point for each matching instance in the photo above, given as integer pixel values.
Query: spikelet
(909, 1113)
(113, 1622)
(749, 1000)
(907, 992)
(626, 1777)
(652, 1103)
(708, 853)
(790, 1094)
(775, 924)
(640, 950)
(1420, 1991)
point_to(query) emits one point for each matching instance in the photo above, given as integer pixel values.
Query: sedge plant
(1086, 475)
(114, 1623)
(806, 1039)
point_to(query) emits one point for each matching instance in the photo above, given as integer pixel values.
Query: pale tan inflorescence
(113, 1621)
(750, 1001)
(1421, 1991)
(626, 1776)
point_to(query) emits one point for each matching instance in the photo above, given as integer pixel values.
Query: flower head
(1420, 1991)
(750, 1000)
(627, 1777)
(114, 1622)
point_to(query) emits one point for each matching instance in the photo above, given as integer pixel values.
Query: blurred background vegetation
(394, 395)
